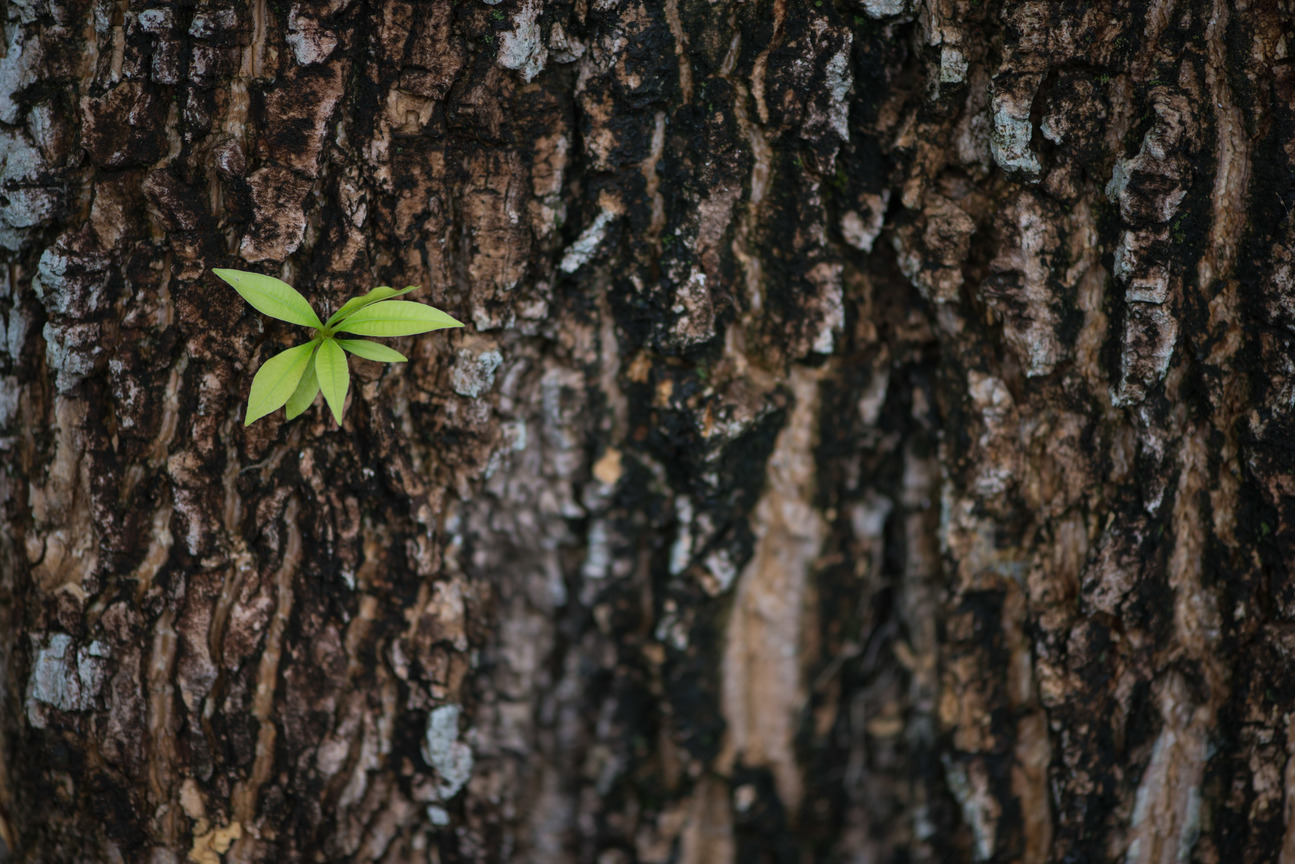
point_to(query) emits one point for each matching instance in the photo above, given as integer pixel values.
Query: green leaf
(304, 396)
(272, 296)
(357, 303)
(334, 376)
(397, 318)
(372, 351)
(277, 380)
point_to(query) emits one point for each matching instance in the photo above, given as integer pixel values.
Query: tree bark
(871, 440)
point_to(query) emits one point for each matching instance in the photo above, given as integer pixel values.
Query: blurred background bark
(873, 439)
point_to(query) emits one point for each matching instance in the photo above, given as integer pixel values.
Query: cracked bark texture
(871, 442)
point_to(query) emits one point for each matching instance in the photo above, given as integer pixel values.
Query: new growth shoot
(293, 378)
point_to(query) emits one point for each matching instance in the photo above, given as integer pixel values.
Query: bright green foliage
(382, 293)
(273, 297)
(334, 377)
(304, 396)
(371, 351)
(277, 380)
(293, 378)
(395, 318)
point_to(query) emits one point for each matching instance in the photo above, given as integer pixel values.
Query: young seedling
(295, 377)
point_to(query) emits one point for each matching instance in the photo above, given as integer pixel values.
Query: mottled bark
(872, 440)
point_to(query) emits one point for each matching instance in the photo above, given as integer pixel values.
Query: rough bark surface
(872, 440)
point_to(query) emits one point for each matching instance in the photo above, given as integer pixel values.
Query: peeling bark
(871, 440)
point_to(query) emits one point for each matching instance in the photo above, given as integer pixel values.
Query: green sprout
(295, 377)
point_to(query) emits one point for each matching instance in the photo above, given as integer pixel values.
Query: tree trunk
(873, 439)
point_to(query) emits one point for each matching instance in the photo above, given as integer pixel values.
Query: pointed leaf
(397, 318)
(334, 376)
(272, 296)
(304, 396)
(357, 303)
(371, 351)
(277, 380)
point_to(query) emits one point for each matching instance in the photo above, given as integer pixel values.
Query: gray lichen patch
(72, 352)
(861, 229)
(839, 82)
(523, 47)
(579, 252)
(885, 8)
(62, 677)
(15, 72)
(311, 44)
(1009, 141)
(953, 65)
(27, 199)
(970, 787)
(62, 285)
(15, 332)
(474, 370)
(451, 758)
